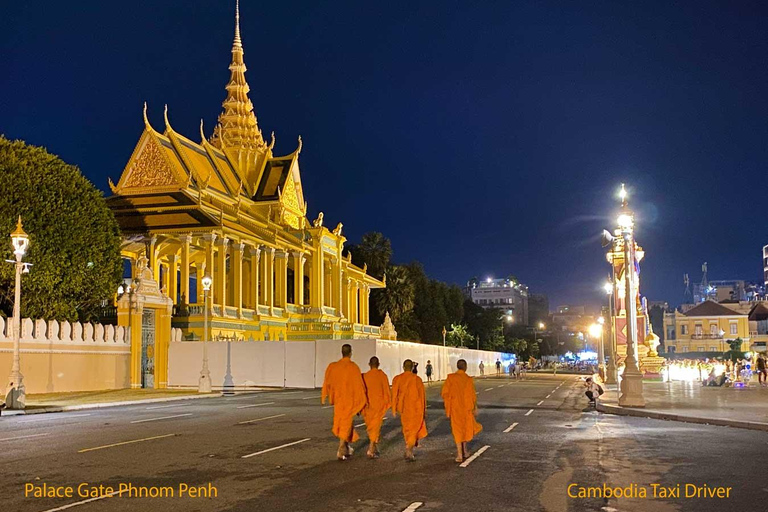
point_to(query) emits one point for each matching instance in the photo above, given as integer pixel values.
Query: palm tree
(375, 250)
(397, 297)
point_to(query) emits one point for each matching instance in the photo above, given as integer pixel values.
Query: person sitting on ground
(593, 390)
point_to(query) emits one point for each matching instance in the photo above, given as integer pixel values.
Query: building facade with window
(708, 327)
(504, 294)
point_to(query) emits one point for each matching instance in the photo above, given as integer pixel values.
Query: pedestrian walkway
(58, 402)
(691, 402)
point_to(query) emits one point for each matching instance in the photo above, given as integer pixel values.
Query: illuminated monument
(630, 314)
(227, 207)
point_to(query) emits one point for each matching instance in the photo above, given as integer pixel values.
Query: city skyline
(509, 162)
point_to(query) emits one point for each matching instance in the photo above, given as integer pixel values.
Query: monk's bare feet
(409, 455)
(350, 451)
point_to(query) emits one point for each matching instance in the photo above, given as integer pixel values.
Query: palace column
(366, 291)
(338, 288)
(328, 285)
(347, 290)
(237, 275)
(255, 257)
(152, 257)
(185, 241)
(317, 280)
(220, 281)
(209, 241)
(173, 277)
(268, 278)
(354, 303)
(281, 278)
(298, 278)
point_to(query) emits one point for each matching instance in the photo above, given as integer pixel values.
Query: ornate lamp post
(204, 384)
(632, 378)
(16, 390)
(596, 331)
(444, 333)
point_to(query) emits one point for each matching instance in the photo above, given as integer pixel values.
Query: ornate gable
(151, 167)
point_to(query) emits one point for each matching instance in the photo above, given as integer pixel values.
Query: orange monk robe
(377, 392)
(410, 401)
(460, 401)
(344, 388)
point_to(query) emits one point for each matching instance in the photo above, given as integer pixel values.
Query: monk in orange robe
(344, 388)
(460, 400)
(409, 399)
(377, 393)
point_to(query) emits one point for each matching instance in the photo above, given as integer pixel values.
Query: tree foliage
(74, 238)
(374, 250)
(459, 336)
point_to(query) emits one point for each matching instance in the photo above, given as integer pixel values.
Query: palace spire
(237, 128)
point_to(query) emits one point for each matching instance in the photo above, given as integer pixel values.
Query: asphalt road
(290, 465)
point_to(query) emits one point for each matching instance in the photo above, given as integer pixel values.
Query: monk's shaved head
(461, 364)
(408, 365)
(346, 350)
(374, 362)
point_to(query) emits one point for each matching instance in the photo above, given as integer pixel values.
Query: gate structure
(147, 310)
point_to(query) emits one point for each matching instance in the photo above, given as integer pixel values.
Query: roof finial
(165, 115)
(202, 133)
(238, 43)
(146, 120)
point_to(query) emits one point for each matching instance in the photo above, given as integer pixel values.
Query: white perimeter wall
(302, 364)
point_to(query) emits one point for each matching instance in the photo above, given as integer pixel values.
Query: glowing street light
(16, 391)
(204, 384)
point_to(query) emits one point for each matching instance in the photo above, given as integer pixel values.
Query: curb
(641, 413)
(66, 408)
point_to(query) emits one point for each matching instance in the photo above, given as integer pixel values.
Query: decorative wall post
(255, 257)
(220, 281)
(186, 240)
(298, 278)
(237, 274)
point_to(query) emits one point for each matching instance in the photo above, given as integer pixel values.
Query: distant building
(504, 294)
(571, 319)
(656, 311)
(707, 327)
(538, 308)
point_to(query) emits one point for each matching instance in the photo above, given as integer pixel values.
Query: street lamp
(16, 391)
(540, 327)
(204, 384)
(611, 376)
(444, 333)
(596, 331)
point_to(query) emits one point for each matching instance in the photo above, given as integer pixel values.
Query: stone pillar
(281, 278)
(220, 281)
(317, 280)
(185, 241)
(200, 270)
(255, 256)
(355, 303)
(152, 257)
(347, 284)
(298, 278)
(237, 276)
(366, 292)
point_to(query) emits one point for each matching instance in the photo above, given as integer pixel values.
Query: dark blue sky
(484, 138)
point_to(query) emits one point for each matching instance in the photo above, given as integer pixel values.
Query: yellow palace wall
(68, 357)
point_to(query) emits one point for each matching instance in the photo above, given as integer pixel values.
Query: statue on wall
(318, 222)
(338, 229)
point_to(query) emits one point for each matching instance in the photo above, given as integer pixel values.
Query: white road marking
(360, 425)
(311, 397)
(244, 397)
(282, 393)
(64, 507)
(413, 506)
(529, 412)
(474, 456)
(540, 402)
(24, 437)
(260, 419)
(327, 407)
(163, 418)
(509, 428)
(488, 389)
(276, 448)
(54, 417)
(253, 405)
(549, 395)
(123, 443)
(164, 406)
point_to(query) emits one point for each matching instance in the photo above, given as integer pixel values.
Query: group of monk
(352, 392)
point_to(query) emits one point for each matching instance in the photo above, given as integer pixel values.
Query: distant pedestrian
(498, 367)
(415, 368)
(511, 370)
(593, 390)
(428, 369)
(518, 370)
(482, 368)
(761, 370)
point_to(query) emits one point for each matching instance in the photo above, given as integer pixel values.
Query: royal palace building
(227, 207)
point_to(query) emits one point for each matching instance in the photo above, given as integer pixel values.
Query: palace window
(713, 349)
(701, 349)
(683, 329)
(734, 328)
(697, 330)
(713, 329)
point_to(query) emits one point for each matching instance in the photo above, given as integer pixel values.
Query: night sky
(484, 138)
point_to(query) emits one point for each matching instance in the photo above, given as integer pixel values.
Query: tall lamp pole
(632, 378)
(444, 333)
(204, 384)
(597, 330)
(611, 376)
(16, 390)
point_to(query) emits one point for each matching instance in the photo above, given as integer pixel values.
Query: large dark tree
(74, 238)
(375, 250)
(397, 297)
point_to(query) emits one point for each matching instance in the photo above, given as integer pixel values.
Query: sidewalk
(690, 402)
(60, 402)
